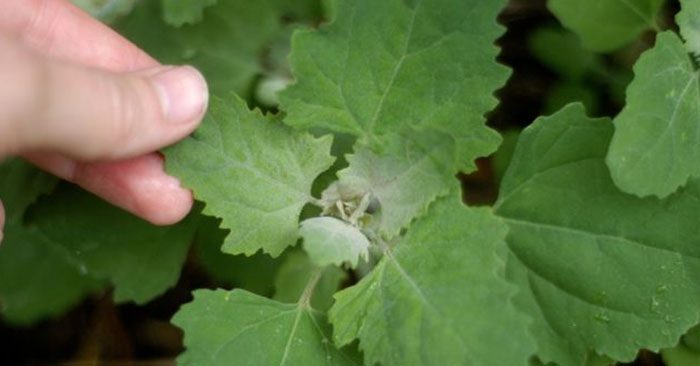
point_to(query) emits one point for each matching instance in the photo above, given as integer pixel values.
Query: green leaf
(598, 270)
(437, 297)
(296, 272)
(139, 259)
(21, 185)
(384, 68)
(37, 278)
(239, 328)
(656, 147)
(226, 45)
(75, 244)
(407, 79)
(501, 159)
(253, 172)
(688, 20)
(180, 12)
(605, 25)
(328, 240)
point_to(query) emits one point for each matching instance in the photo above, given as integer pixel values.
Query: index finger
(58, 28)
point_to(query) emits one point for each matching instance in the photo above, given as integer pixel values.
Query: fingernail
(182, 92)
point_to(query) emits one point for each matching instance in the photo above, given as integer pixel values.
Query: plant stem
(316, 202)
(305, 299)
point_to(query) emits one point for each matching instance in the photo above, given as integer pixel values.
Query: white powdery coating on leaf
(332, 241)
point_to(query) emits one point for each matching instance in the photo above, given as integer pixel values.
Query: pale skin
(85, 104)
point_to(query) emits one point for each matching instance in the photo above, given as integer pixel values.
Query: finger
(57, 28)
(138, 185)
(60, 29)
(91, 114)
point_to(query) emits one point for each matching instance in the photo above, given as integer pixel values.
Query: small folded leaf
(328, 240)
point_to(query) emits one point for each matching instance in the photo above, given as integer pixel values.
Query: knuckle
(125, 114)
(23, 92)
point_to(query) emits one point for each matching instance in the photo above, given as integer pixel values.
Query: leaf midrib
(648, 20)
(672, 121)
(584, 232)
(395, 73)
(424, 299)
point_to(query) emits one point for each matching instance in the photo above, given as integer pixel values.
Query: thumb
(92, 114)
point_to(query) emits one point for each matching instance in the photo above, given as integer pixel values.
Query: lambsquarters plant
(591, 253)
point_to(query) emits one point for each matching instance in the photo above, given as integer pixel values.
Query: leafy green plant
(335, 214)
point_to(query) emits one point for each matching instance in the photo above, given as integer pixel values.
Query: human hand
(85, 104)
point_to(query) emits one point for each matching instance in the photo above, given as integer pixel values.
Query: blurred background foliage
(242, 46)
